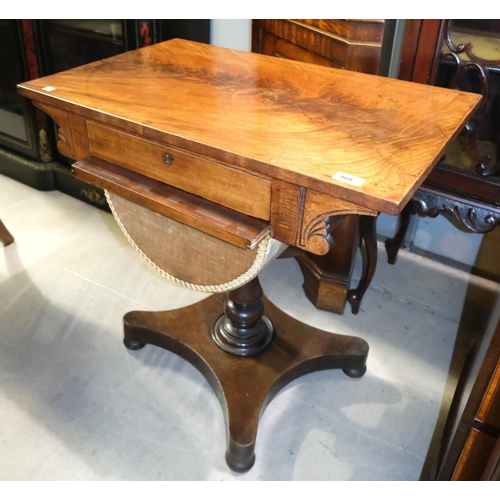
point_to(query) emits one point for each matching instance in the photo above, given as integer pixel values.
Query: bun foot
(237, 466)
(133, 345)
(355, 372)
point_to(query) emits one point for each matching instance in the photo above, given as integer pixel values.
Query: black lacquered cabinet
(30, 49)
(17, 120)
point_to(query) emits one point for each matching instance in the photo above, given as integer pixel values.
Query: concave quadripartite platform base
(245, 385)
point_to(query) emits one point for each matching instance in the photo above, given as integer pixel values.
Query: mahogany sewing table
(213, 160)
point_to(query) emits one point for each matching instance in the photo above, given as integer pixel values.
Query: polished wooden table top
(357, 137)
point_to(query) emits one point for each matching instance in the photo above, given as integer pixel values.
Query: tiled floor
(76, 405)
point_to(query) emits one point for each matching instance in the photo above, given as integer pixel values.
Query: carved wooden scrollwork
(320, 215)
(483, 164)
(475, 218)
(317, 234)
(71, 131)
(63, 144)
(306, 218)
(61, 117)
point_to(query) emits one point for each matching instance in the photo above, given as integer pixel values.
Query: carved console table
(214, 161)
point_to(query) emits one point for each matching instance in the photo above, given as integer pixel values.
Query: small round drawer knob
(168, 158)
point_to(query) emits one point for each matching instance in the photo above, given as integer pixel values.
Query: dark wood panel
(356, 30)
(345, 44)
(475, 457)
(472, 428)
(455, 180)
(275, 46)
(428, 49)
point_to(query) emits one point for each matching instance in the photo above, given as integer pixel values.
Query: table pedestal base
(245, 385)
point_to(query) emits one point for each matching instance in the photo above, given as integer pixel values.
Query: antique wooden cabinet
(462, 54)
(470, 447)
(339, 43)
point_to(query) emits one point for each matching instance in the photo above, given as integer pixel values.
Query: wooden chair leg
(392, 245)
(5, 237)
(369, 240)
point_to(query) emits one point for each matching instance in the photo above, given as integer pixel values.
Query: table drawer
(227, 186)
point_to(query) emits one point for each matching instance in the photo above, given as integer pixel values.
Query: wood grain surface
(293, 121)
(192, 173)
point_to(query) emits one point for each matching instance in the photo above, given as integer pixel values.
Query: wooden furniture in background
(470, 447)
(352, 44)
(466, 182)
(313, 148)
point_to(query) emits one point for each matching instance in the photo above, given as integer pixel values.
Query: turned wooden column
(243, 329)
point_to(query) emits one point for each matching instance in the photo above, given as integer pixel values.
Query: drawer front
(227, 186)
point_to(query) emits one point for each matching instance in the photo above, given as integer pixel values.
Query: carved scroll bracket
(71, 133)
(474, 217)
(305, 218)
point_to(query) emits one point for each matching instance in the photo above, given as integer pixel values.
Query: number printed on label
(348, 179)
